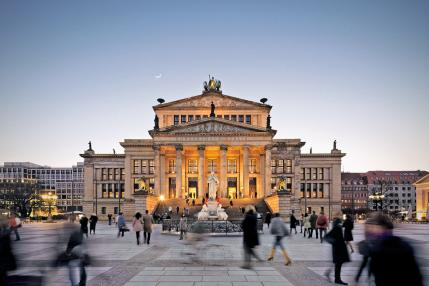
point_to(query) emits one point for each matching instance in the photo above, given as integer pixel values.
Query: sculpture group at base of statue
(212, 209)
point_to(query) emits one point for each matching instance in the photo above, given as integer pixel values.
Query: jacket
(313, 220)
(322, 221)
(278, 227)
(250, 231)
(147, 223)
(307, 223)
(137, 225)
(339, 248)
(121, 221)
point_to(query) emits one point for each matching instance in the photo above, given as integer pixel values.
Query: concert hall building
(212, 132)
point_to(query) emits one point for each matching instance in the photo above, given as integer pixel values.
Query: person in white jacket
(279, 230)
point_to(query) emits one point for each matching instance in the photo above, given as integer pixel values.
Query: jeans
(77, 273)
(15, 230)
(146, 236)
(121, 231)
(322, 230)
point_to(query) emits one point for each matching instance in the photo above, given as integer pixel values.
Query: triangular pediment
(204, 100)
(212, 126)
(422, 180)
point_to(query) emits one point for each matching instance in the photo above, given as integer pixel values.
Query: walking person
(340, 254)
(301, 221)
(121, 224)
(313, 220)
(268, 219)
(293, 222)
(147, 226)
(93, 219)
(183, 226)
(348, 236)
(307, 224)
(137, 226)
(177, 210)
(7, 258)
(250, 236)
(279, 231)
(84, 225)
(322, 224)
(14, 224)
(109, 217)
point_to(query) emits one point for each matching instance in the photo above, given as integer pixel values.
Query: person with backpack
(279, 231)
(322, 225)
(313, 220)
(137, 226)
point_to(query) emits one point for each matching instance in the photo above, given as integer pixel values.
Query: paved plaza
(168, 260)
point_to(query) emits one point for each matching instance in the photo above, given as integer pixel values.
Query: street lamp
(377, 197)
(50, 200)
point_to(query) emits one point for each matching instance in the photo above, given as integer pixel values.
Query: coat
(147, 223)
(322, 222)
(137, 225)
(307, 223)
(313, 220)
(268, 218)
(183, 224)
(393, 263)
(84, 224)
(121, 221)
(278, 227)
(250, 231)
(348, 226)
(93, 221)
(339, 248)
(7, 259)
(293, 221)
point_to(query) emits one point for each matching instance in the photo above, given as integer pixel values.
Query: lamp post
(377, 197)
(119, 197)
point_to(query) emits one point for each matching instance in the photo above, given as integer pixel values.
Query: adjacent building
(211, 133)
(66, 183)
(354, 192)
(422, 197)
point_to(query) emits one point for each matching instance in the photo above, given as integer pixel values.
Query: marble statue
(213, 183)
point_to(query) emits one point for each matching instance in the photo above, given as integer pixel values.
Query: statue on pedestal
(212, 110)
(213, 182)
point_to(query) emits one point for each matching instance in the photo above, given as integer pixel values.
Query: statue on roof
(269, 122)
(156, 121)
(335, 145)
(212, 110)
(89, 146)
(212, 84)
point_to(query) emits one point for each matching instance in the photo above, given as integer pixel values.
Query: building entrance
(232, 188)
(171, 188)
(252, 188)
(192, 188)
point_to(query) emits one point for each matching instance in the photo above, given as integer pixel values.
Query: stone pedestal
(283, 203)
(144, 201)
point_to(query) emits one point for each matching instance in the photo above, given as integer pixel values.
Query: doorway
(192, 188)
(172, 188)
(232, 188)
(252, 188)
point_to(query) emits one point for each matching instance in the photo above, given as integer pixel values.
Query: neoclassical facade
(211, 133)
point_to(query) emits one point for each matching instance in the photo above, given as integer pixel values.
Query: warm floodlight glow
(161, 198)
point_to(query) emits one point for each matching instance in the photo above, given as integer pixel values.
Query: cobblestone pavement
(170, 261)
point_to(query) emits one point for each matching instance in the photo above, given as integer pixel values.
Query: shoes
(270, 258)
(246, 267)
(340, 282)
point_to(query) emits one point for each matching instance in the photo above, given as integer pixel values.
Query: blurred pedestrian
(307, 224)
(14, 224)
(122, 226)
(183, 226)
(279, 231)
(7, 258)
(147, 226)
(340, 254)
(250, 236)
(348, 236)
(322, 224)
(109, 217)
(177, 210)
(268, 219)
(84, 225)
(301, 222)
(293, 222)
(137, 226)
(313, 220)
(392, 259)
(76, 258)
(93, 219)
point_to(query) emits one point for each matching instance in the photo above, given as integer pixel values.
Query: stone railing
(207, 226)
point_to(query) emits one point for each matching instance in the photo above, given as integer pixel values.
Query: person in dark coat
(392, 260)
(340, 254)
(250, 236)
(109, 217)
(268, 219)
(93, 219)
(313, 220)
(84, 225)
(293, 222)
(7, 259)
(348, 236)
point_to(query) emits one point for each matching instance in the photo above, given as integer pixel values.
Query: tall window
(273, 166)
(320, 176)
(137, 166)
(302, 177)
(104, 172)
(252, 166)
(232, 166)
(117, 174)
(190, 118)
(103, 190)
(197, 117)
(226, 117)
(280, 166)
(314, 195)
(212, 165)
(234, 117)
(110, 190)
(192, 166)
(144, 166)
(308, 191)
(110, 174)
(288, 166)
(183, 119)
(248, 119)
(314, 173)
(171, 166)
(289, 183)
(307, 173)
(273, 182)
(176, 119)
(241, 118)
(302, 189)
(151, 184)
(151, 167)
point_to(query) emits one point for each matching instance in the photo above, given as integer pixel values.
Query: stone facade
(213, 132)
(422, 198)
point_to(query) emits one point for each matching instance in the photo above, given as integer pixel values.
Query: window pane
(176, 119)
(248, 119)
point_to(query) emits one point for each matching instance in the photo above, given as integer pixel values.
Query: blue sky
(355, 71)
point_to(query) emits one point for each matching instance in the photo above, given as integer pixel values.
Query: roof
(211, 93)
(396, 177)
(422, 180)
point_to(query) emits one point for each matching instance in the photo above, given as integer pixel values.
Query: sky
(354, 71)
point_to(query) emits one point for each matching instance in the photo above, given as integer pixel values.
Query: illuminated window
(232, 166)
(252, 166)
(314, 173)
(192, 166)
(144, 167)
(136, 167)
(280, 166)
(151, 167)
(212, 165)
(171, 166)
(288, 166)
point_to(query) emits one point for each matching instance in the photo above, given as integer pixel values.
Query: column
(157, 162)
(267, 169)
(261, 190)
(179, 149)
(246, 171)
(162, 175)
(222, 171)
(201, 171)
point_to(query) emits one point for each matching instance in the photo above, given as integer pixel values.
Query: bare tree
(20, 197)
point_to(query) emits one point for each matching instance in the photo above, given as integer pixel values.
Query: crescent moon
(158, 76)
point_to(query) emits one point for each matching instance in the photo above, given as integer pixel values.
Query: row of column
(265, 169)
